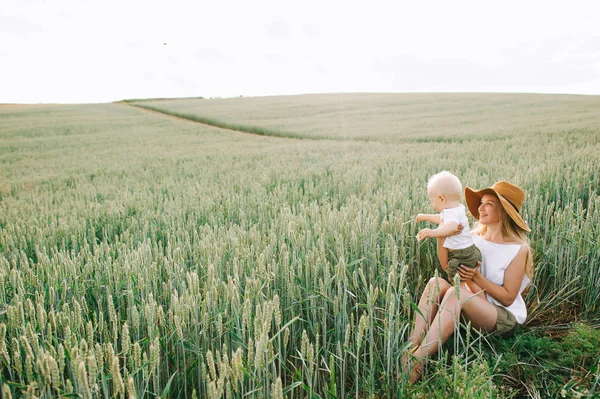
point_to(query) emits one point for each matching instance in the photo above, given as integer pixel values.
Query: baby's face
(437, 200)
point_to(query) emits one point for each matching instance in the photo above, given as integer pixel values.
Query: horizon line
(163, 98)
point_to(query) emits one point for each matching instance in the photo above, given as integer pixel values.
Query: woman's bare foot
(411, 365)
(416, 366)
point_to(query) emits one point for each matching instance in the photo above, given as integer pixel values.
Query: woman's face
(489, 209)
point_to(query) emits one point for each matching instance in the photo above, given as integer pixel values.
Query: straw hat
(511, 197)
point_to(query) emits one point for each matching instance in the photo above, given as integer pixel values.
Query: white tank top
(495, 260)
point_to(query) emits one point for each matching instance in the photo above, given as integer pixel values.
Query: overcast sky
(107, 50)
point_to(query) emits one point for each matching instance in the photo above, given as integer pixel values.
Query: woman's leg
(428, 305)
(479, 311)
(432, 294)
(475, 308)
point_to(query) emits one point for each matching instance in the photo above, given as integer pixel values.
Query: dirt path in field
(256, 130)
(157, 112)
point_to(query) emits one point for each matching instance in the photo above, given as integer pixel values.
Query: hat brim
(473, 199)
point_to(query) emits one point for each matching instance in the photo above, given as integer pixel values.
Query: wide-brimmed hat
(511, 197)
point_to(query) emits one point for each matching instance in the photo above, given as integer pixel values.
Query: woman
(490, 296)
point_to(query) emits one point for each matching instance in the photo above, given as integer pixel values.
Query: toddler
(444, 190)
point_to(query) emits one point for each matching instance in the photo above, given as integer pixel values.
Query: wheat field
(146, 255)
(398, 118)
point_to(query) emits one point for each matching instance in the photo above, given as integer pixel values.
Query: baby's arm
(421, 217)
(447, 229)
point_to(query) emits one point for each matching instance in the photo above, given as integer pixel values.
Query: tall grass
(147, 256)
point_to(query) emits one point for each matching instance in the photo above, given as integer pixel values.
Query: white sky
(107, 50)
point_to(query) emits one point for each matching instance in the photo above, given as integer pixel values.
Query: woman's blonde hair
(512, 232)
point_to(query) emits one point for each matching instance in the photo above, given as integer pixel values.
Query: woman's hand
(467, 273)
(458, 230)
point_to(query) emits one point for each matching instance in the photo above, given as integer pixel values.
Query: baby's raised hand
(423, 234)
(420, 217)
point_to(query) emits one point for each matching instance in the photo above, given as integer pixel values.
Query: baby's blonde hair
(445, 183)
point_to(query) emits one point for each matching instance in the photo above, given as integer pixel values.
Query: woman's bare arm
(471, 284)
(513, 276)
(442, 252)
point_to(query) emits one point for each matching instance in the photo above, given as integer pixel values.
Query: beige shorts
(505, 321)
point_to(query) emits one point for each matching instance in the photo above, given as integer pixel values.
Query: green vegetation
(548, 366)
(142, 255)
